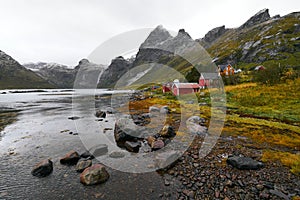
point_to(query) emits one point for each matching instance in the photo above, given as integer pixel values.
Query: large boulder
(126, 130)
(43, 168)
(94, 175)
(71, 158)
(82, 165)
(244, 162)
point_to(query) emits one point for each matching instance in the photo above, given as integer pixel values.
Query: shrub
(271, 75)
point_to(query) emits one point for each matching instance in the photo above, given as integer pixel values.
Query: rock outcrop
(212, 36)
(118, 67)
(159, 47)
(87, 74)
(258, 18)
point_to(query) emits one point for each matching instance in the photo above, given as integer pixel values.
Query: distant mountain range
(261, 40)
(14, 75)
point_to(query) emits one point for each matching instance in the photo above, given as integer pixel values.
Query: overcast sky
(65, 31)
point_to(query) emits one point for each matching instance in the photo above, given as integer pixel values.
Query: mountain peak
(84, 61)
(158, 35)
(212, 35)
(259, 17)
(183, 33)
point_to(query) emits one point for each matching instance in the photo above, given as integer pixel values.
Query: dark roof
(222, 67)
(210, 75)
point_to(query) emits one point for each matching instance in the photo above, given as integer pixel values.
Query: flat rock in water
(100, 114)
(94, 175)
(43, 168)
(99, 150)
(82, 165)
(71, 158)
(74, 118)
(244, 162)
(117, 154)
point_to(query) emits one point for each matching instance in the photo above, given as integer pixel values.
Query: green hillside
(14, 75)
(269, 43)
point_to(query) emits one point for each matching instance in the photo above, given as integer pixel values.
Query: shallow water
(42, 131)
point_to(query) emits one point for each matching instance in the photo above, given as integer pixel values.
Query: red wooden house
(167, 87)
(185, 88)
(209, 80)
(226, 70)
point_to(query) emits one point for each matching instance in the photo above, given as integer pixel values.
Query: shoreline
(190, 177)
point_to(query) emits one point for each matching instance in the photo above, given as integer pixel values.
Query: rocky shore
(232, 170)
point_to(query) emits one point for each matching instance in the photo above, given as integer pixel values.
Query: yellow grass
(287, 159)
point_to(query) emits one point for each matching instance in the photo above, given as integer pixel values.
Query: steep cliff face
(258, 18)
(113, 72)
(158, 48)
(212, 36)
(87, 74)
(14, 75)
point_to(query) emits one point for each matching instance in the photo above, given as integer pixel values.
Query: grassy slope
(267, 115)
(275, 35)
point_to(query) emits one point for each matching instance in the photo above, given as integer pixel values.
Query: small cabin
(185, 88)
(209, 80)
(259, 68)
(167, 87)
(226, 70)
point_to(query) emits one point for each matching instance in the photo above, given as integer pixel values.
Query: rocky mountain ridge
(14, 75)
(261, 40)
(62, 76)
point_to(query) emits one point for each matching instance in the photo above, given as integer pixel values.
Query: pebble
(167, 183)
